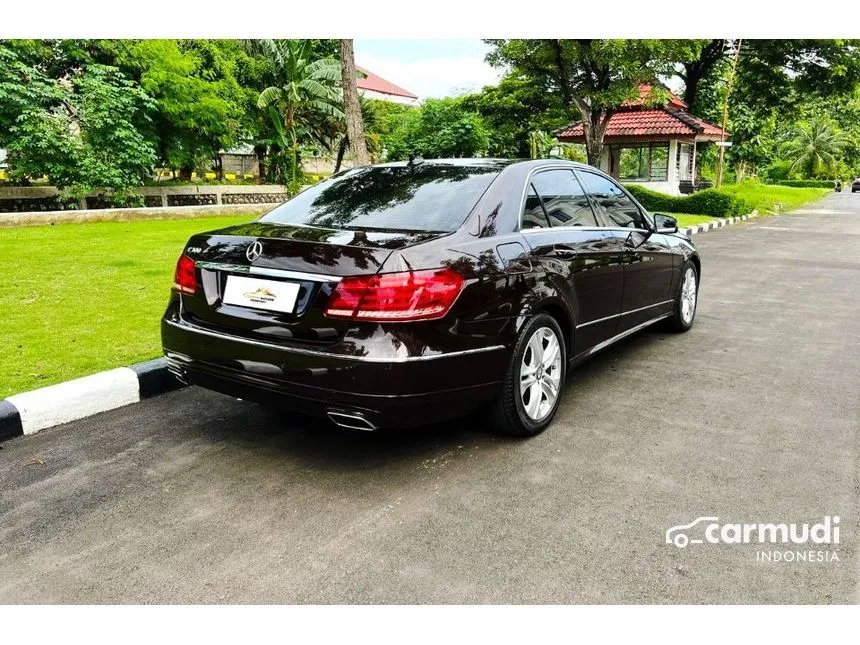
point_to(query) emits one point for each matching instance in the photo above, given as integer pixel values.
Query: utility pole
(733, 48)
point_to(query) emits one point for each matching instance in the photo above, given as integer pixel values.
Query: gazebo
(654, 146)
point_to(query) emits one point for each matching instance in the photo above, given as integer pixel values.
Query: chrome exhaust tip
(176, 369)
(351, 420)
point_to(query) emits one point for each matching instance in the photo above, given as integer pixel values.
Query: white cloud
(434, 77)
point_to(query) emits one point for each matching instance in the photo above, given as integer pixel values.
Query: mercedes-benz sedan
(404, 293)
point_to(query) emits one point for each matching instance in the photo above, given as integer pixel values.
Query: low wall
(48, 198)
(127, 214)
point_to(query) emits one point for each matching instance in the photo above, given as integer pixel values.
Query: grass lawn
(685, 220)
(80, 298)
(765, 197)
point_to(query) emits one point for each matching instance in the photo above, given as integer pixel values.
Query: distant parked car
(855, 187)
(403, 293)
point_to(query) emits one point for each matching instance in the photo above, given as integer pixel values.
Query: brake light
(185, 278)
(396, 297)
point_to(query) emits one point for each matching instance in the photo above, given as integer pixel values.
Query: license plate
(271, 295)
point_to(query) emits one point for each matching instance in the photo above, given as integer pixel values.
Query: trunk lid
(313, 259)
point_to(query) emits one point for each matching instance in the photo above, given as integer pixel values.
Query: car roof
(484, 162)
(479, 162)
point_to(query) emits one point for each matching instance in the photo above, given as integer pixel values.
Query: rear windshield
(424, 197)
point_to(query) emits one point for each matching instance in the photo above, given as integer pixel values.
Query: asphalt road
(752, 416)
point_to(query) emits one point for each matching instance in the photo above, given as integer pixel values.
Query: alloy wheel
(688, 296)
(540, 373)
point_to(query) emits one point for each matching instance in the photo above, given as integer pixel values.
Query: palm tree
(305, 93)
(814, 147)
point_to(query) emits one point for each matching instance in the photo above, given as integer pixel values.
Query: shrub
(806, 183)
(716, 204)
(704, 202)
(777, 171)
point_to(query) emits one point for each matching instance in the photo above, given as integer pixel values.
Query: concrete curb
(701, 228)
(29, 412)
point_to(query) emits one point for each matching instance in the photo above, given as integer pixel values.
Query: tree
(593, 77)
(754, 139)
(512, 110)
(814, 148)
(351, 105)
(776, 73)
(439, 128)
(373, 115)
(304, 92)
(197, 108)
(87, 139)
(23, 88)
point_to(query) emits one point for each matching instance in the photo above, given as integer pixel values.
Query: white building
(371, 86)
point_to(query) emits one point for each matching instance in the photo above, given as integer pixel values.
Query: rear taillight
(396, 297)
(185, 278)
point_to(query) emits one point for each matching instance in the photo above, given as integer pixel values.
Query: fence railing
(49, 198)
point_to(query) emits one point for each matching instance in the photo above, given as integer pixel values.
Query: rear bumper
(400, 391)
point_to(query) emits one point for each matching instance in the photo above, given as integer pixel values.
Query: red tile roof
(376, 83)
(645, 91)
(634, 119)
(649, 123)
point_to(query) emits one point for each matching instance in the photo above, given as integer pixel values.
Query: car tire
(684, 309)
(525, 407)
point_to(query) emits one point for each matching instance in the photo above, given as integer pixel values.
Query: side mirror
(665, 223)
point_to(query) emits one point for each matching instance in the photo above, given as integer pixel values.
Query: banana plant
(305, 93)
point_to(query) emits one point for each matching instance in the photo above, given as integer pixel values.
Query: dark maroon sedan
(404, 293)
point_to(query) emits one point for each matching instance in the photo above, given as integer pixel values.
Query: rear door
(589, 257)
(648, 258)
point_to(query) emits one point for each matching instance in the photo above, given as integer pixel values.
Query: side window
(563, 198)
(533, 213)
(620, 210)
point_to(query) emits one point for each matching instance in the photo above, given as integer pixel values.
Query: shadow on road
(320, 444)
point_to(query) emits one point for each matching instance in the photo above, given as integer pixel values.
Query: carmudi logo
(709, 530)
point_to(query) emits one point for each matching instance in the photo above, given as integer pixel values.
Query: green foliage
(729, 200)
(806, 183)
(814, 147)
(592, 78)
(304, 100)
(779, 85)
(23, 88)
(541, 144)
(380, 118)
(767, 198)
(196, 96)
(439, 128)
(777, 172)
(197, 104)
(513, 109)
(711, 202)
(546, 146)
(87, 139)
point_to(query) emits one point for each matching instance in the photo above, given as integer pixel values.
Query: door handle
(563, 251)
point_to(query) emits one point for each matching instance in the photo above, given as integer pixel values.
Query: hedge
(806, 183)
(704, 202)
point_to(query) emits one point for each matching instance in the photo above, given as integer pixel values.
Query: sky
(428, 68)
